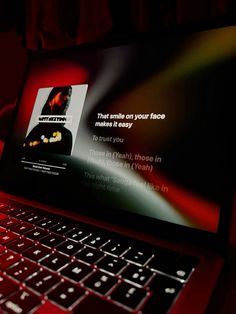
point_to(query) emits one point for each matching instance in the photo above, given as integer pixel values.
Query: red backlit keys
(8, 259)
(21, 302)
(22, 270)
(7, 237)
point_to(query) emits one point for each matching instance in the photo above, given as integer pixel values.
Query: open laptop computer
(116, 175)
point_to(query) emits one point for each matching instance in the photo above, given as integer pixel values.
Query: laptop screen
(133, 128)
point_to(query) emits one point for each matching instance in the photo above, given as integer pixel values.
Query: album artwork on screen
(53, 125)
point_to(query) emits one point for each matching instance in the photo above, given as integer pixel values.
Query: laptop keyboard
(67, 266)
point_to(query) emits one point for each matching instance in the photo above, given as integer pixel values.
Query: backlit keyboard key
(60, 228)
(136, 274)
(70, 247)
(175, 264)
(22, 227)
(76, 271)
(7, 237)
(66, 294)
(129, 295)
(21, 214)
(43, 281)
(36, 233)
(20, 245)
(89, 255)
(165, 291)
(37, 252)
(8, 259)
(7, 223)
(22, 270)
(32, 218)
(137, 256)
(115, 248)
(112, 264)
(8, 210)
(100, 282)
(46, 223)
(77, 234)
(52, 240)
(95, 241)
(55, 261)
(21, 302)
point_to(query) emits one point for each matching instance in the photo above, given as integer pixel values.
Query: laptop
(116, 177)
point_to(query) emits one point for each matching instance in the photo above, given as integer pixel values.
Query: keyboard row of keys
(166, 261)
(125, 293)
(68, 263)
(66, 293)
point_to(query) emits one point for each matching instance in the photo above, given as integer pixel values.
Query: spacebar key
(92, 304)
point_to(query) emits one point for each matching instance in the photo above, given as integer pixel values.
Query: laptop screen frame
(144, 224)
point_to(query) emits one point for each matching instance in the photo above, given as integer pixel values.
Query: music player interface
(131, 128)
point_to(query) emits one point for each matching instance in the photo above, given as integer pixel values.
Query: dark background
(51, 24)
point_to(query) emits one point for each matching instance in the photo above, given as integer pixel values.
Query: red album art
(55, 119)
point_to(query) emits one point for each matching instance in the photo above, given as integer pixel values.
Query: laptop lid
(132, 131)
